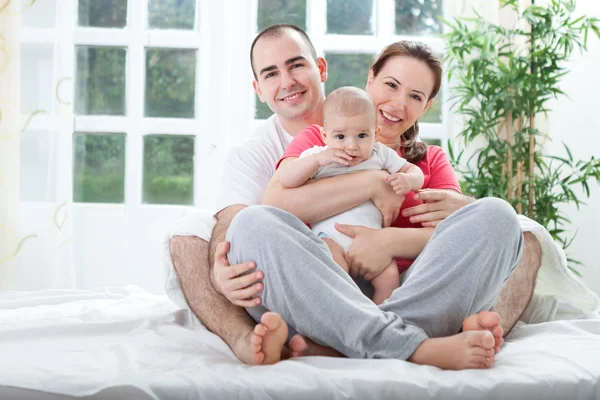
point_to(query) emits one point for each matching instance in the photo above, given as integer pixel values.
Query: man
(288, 76)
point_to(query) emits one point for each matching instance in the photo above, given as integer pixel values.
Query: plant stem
(531, 163)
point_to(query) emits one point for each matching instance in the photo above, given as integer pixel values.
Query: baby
(350, 132)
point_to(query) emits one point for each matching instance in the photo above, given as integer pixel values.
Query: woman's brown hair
(412, 150)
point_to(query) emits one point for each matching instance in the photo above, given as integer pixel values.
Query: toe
(484, 339)
(259, 358)
(256, 339)
(271, 320)
(260, 330)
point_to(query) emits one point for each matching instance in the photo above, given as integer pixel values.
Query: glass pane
(99, 168)
(418, 17)
(103, 14)
(171, 14)
(38, 166)
(262, 110)
(37, 89)
(434, 114)
(433, 142)
(170, 82)
(347, 70)
(100, 83)
(350, 17)
(168, 169)
(38, 14)
(281, 12)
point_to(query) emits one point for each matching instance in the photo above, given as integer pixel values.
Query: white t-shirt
(251, 165)
(365, 214)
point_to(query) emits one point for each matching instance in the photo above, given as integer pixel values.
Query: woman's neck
(393, 143)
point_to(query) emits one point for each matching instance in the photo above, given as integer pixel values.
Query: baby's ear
(377, 132)
(323, 133)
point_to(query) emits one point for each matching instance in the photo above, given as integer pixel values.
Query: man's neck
(295, 126)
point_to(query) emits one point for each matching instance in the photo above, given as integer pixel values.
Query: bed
(125, 343)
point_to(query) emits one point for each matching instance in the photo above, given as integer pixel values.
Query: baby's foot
(301, 346)
(486, 321)
(268, 339)
(467, 350)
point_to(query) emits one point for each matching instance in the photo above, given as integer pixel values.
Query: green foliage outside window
(98, 168)
(100, 82)
(347, 70)
(170, 82)
(418, 17)
(171, 14)
(350, 17)
(272, 12)
(102, 14)
(168, 169)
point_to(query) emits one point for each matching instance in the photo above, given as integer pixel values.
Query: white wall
(576, 121)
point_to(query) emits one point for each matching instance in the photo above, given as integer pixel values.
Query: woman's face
(401, 91)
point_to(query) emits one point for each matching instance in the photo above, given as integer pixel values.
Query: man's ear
(257, 90)
(322, 65)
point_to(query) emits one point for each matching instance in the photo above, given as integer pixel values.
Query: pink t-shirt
(435, 166)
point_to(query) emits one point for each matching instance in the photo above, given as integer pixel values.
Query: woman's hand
(229, 281)
(369, 254)
(439, 204)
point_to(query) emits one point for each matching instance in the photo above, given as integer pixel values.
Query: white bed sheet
(111, 343)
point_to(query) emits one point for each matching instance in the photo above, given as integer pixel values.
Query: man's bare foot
(467, 350)
(301, 346)
(486, 321)
(242, 348)
(268, 339)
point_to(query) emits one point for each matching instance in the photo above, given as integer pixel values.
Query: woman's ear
(427, 107)
(370, 78)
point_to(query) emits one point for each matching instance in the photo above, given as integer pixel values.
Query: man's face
(288, 77)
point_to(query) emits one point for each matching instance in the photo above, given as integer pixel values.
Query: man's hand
(385, 199)
(439, 204)
(229, 281)
(331, 156)
(369, 253)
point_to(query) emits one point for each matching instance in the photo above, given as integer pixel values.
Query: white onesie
(365, 214)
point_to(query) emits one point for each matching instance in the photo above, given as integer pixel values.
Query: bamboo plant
(503, 79)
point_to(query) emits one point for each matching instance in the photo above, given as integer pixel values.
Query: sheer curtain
(36, 242)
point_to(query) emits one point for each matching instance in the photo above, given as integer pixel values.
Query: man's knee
(252, 223)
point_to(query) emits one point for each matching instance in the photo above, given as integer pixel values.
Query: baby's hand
(400, 182)
(331, 156)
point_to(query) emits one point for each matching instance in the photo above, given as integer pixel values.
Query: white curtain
(36, 250)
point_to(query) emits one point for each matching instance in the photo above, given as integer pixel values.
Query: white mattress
(126, 343)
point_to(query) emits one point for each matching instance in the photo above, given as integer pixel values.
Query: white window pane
(171, 14)
(350, 17)
(41, 14)
(272, 12)
(168, 169)
(37, 68)
(102, 14)
(170, 83)
(100, 82)
(418, 17)
(38, 166)
(99, 168)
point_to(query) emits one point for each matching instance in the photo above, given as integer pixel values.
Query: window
(350, 34)
(138, 86)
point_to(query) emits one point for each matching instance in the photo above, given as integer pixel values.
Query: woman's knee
(496, 215)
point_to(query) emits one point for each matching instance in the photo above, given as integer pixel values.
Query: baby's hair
(349, 101)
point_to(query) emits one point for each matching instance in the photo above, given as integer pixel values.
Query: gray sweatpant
(460, 272)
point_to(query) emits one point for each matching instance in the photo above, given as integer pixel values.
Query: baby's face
(355, 135)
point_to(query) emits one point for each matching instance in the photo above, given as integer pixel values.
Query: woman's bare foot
(268, 339)
(467, 350)
(486, 321)
(301, 346)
